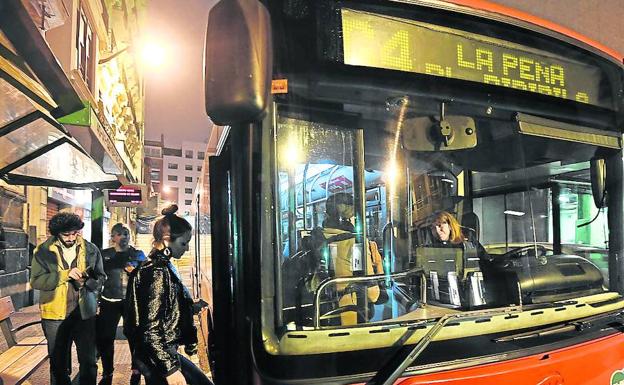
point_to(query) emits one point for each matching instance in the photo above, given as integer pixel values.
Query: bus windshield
(396, 222)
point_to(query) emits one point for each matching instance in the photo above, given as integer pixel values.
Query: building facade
(72, 118)
(182, 168)
(153, 163)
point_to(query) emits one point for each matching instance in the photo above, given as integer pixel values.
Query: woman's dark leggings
(192, 374)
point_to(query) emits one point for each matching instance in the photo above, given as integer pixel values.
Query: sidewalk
(42, 375)
(122, 359)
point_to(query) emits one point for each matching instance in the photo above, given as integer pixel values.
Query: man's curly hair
(63, 222)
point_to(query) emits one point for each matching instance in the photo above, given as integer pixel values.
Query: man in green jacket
(68, 272)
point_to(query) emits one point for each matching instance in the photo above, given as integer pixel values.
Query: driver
(447, 233)
(446, 230)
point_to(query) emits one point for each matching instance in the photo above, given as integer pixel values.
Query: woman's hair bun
(170, 210)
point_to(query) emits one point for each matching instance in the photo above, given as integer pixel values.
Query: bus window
(345, 270)
(583, 228)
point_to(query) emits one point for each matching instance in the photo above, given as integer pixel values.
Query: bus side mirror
(598, 172)
(238, 61)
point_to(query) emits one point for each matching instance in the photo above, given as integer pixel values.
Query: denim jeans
(60, 335)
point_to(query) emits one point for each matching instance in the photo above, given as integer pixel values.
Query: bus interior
(518, 186)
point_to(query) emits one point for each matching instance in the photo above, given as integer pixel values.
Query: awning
(86, 128)
(36, 149)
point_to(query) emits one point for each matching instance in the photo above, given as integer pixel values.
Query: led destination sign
(378, 41)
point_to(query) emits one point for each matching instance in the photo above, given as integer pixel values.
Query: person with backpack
(67, 270)
(344, 255)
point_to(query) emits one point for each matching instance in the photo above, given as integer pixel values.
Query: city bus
(351, 127)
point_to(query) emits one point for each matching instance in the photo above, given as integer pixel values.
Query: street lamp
(152, 54)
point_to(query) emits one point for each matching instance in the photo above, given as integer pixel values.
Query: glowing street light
(153, 54)
(392, 173)
(291, 152)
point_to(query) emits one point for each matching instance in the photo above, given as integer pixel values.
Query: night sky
(174, 92)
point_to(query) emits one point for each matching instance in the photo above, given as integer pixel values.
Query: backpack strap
(340, 237)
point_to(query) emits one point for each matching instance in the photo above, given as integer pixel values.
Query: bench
(23, 357)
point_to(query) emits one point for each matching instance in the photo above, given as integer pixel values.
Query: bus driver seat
(471, 226)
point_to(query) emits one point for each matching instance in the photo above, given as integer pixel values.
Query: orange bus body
(597, 362)
(484, 5)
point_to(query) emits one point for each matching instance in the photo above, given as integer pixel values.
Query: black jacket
(114, 267)
(159, 315)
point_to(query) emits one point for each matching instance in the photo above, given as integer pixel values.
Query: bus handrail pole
(317, 295)
(303, 195)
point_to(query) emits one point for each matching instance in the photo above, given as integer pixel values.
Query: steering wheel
(516, 253)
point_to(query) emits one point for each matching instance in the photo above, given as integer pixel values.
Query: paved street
(122, 354)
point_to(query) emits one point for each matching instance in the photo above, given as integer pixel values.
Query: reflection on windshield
(370, 231)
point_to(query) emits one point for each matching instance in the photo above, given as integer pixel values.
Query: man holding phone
(68, 272)
(119, 261)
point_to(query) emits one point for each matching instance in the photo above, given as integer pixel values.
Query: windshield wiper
(539, 333)
(577, 325)
(405, 356)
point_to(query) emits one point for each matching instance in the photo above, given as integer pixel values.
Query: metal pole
(97, 218)
(556, 218)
